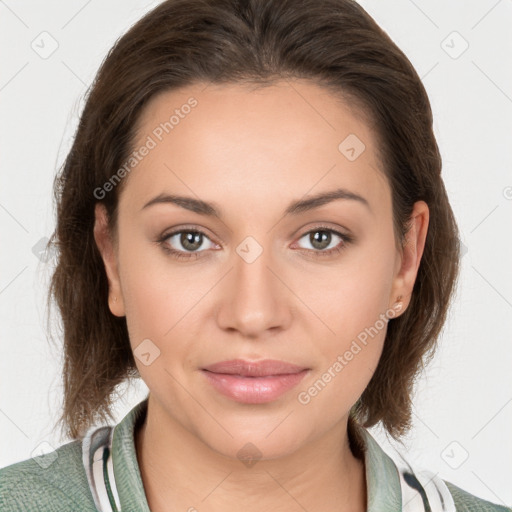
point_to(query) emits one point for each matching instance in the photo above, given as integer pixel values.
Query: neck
(180, 472)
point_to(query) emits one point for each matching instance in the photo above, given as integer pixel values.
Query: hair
(333, 43)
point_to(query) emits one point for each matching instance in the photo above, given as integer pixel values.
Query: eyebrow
(294, 208)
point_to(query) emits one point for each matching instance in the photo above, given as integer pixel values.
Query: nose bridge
(255, 299)
(252, 264)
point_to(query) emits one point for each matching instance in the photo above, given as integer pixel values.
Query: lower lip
(253, 390)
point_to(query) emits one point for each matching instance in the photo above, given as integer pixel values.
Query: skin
(252, 152)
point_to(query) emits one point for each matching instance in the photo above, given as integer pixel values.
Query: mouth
(254, 382)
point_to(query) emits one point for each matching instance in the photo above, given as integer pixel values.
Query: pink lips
(254, 382)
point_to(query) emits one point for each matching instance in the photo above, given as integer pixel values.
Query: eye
(190, 243)
(186, 243)
(325, 241)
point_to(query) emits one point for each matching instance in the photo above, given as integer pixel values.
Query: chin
(252, 445)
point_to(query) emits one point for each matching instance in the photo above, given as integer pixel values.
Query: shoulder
(55, 481)
(392, 475)
(466, 502)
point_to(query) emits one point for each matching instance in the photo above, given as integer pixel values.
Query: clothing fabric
(58, 481)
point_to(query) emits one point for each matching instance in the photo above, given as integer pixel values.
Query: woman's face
(310, 285)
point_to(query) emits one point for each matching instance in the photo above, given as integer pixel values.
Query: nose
(254, 298)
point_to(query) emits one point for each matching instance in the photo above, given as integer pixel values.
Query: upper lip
(263, 368)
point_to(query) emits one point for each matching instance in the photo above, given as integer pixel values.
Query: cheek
(152, 302)
(355, 306)
(162, 305)
(358, 292)
(349, 356)
(153, 312)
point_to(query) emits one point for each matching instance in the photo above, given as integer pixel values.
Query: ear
(409, 260)
(106, 246)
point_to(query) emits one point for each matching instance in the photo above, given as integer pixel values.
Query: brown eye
(191, 240)
(186, 243)
(322, 239)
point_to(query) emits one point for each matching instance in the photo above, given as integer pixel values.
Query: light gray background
(463, 407)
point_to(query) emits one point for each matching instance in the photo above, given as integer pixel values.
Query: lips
(253, 382)
(266, 368)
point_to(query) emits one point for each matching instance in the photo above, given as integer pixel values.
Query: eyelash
(181, 255)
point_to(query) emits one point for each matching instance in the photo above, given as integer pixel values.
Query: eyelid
(343, 232)
(186, 229)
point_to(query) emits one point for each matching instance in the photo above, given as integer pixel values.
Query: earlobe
(105, 244)
(412, 253)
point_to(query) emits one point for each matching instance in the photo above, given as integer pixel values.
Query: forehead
(232, 139)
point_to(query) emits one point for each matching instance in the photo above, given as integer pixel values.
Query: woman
(251, 219)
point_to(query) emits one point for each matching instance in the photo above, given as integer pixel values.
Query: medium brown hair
(334, 43)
